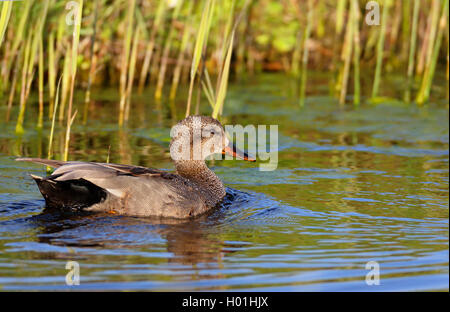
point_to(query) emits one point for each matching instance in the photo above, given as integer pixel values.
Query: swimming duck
(138, 191)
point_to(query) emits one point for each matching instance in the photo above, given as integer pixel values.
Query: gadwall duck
(139, 191)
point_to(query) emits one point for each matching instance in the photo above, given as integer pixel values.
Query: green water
(353, 185)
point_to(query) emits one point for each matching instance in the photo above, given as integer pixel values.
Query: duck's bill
(232, 150)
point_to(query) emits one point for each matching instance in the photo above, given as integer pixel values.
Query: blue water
(353, 185)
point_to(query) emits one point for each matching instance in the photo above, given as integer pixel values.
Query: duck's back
(120, 189)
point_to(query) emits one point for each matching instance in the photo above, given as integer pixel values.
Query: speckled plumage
(136, 191)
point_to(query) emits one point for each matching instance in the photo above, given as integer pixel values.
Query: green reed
(125, 60)
(41, 84)
(202, 37)
(155, 43)
(305, 55)
(24, 86)
(51, 73)
(424, 92)
(221, 93)
(151, 44)
(5, 14)
(356, 53)
(412, 49)
(92, 63)
(424, 56)
(73, 74)
(52, 129)
(131, 70)
(179, 63)
(165, 55)
(347, 51)
(380, 48)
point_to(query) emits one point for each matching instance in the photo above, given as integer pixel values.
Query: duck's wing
(129, 189)
(137, 170)
(70, 166)
(110, 177)
(48, 162)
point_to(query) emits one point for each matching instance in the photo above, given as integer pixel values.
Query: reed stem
(93, 63)
(5, 14)
(309, 21)
(202, 38)
(380, 48)
(356, 53)
(412, 50)
(348, 50)
(74, 57)
(424, 92)
(125, 61)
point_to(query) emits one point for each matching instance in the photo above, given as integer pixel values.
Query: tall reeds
(41, 83)
(347, 51)
(179, 64)
(217, 99)
(412, 50)
(202, 37)
(380, 48)
(51, 74)
(131, 70)
(32, 48)
(429, 37)
(93, 63)
(305, 55)
(167, 46)
(52, 130)
(184, 46)
(125, 60)
(340, 12)
(151, 44)
(221, 92)
(174, 42)
(356, 53)
(25, 82)
(5, 13)
(73, 74)
(424, 92)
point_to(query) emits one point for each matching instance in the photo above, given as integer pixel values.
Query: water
(352, 186)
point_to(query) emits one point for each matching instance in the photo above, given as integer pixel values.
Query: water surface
(353, 185)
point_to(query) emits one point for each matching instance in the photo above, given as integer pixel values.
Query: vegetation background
(52, 47)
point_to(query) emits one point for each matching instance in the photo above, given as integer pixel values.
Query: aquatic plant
(356, 52)
(305, 49)
(412, 49)
(5, 14)
(203, 44)
(73, 74)
(424, 92)
(125, 60)
(202, 37)
(380, 48)
(52, 130)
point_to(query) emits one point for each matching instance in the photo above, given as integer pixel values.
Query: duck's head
(197, 137)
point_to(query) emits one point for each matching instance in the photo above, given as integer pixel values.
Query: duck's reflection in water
(127, 249)
(185, 241)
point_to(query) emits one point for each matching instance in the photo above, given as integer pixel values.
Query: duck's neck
(207, 181)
